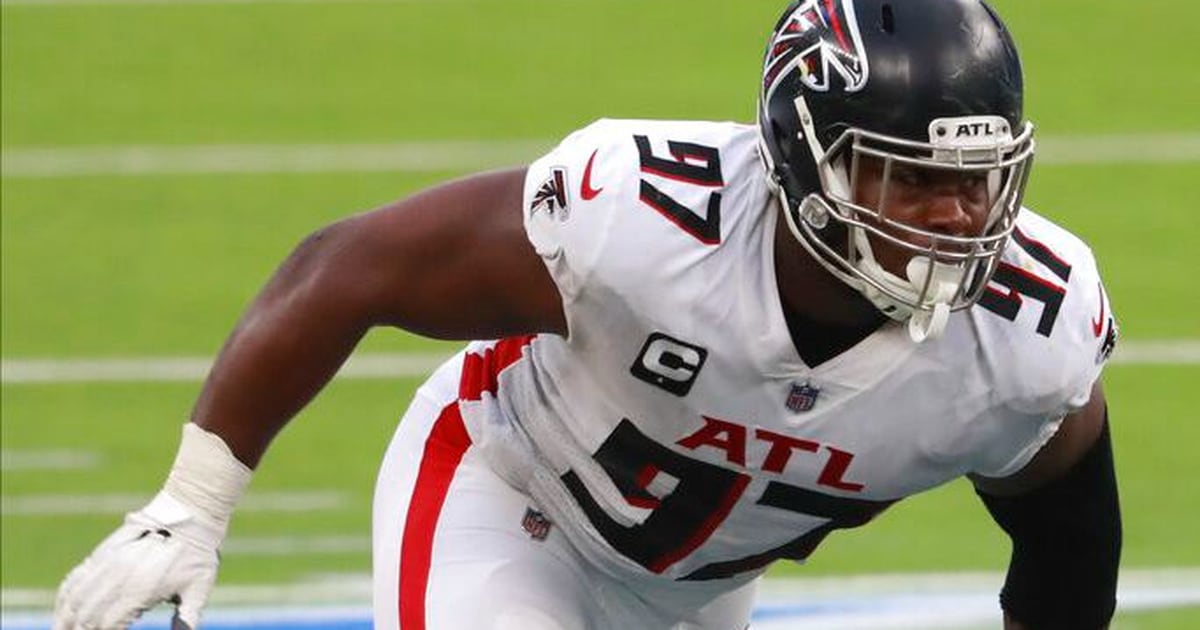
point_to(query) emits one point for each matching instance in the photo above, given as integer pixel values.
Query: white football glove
(165, 552)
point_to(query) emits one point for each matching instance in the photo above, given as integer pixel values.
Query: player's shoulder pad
(618, 191)
(1045, 320)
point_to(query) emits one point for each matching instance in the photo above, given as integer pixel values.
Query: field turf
(161, 265)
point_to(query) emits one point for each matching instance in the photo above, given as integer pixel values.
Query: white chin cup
(943, 280)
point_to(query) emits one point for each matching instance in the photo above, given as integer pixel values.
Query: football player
(700, 347)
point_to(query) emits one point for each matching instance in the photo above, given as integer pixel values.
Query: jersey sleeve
(623, 208)
(569, 200)
(1048, 328)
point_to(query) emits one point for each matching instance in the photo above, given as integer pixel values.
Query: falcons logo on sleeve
(551, 196)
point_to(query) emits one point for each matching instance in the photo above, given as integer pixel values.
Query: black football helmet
(927, 84)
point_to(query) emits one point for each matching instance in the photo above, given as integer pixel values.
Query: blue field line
(360, 618)
(935, 601)
(773, 615)
(282, 618)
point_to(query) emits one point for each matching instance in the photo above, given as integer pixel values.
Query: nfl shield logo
(536, 524)
(802, 397)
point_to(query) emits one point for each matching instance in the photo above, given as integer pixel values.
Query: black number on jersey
(1021, 282)
(700, 496)
(688, 500)
(842, 513)
(693, 164)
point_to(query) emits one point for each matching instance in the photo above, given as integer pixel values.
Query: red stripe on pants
(443, 451)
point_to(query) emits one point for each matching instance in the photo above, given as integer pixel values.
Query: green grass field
(116, 266)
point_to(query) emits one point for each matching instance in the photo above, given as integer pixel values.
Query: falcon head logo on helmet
(818, 38)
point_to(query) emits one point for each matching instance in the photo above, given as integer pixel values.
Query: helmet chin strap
(929, 324)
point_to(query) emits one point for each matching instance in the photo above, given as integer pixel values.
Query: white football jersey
(676, 432)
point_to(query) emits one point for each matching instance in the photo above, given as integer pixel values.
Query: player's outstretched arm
(1063, 516)
(449, 262)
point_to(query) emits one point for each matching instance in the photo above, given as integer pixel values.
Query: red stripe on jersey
(481, 372)
(444, 449)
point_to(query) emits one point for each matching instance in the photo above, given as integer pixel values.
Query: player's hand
(165, 552)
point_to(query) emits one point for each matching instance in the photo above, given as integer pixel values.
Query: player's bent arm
(450, 262)
(1063, 516)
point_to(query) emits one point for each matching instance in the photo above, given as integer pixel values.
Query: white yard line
(67, 3)
(413, 157)
(296, 545)
(120, 503)
(332, 590)
(459, 155)
(1157, 352)
(417, 364)
(190, 369)
(15, 460)
(1138, 148)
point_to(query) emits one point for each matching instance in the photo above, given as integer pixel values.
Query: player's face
(939, 201)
